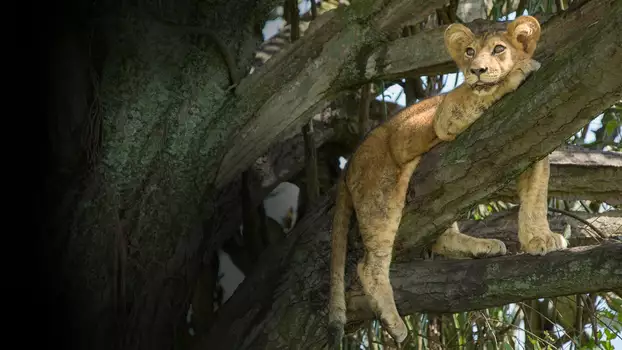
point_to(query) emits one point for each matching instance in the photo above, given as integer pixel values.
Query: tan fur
(375, 182)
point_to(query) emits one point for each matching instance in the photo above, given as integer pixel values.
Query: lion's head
(486, 59)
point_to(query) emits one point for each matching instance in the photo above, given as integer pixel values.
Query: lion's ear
(525, 33)
(457, 37)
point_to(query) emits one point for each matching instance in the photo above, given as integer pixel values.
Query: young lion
(375, 181)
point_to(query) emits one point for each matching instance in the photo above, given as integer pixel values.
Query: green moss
(455, 155)
(157, 90)
(362, 10)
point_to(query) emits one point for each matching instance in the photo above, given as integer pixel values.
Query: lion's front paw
(445, 131)
(534, 65)
(529, 66)
(544, 243)
(489, 248)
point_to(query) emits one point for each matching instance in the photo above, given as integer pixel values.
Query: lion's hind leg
(379, 217)
(373, 272)
(454, 244)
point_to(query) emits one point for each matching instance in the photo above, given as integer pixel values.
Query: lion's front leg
(534, 233)
(444, 127)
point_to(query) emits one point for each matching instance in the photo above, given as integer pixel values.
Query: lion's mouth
(480, 85)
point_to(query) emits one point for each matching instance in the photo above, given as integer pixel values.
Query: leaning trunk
(139, 133)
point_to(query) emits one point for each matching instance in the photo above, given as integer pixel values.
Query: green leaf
(611, 126)
(616, 304)
(610, 335)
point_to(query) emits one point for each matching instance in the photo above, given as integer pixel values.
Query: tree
(155, 126)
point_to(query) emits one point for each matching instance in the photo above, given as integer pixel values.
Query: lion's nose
(478, 71)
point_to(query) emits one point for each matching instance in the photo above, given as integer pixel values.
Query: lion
(375, 181)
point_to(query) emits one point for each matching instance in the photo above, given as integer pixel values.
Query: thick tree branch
(441, 286)
(462, 285)
(284, 93)
(403, 57)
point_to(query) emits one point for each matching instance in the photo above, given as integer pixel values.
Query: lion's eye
(470, 52)
(498, 49)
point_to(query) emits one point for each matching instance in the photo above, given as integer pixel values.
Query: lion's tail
(341, 226)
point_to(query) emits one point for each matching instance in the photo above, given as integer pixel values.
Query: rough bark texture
(454, 286)
(315, 67)
(137, 136)
(403, 57)
(574, 85)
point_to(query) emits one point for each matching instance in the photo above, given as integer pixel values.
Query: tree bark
(285, 92)
(575, 84)
(401, 57)
(450, 286)
(138, 134)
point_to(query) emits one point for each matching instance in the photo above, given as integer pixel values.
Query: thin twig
(574, 216)
(313, 9)
(364, 110)
(521, 7)
(587, 209)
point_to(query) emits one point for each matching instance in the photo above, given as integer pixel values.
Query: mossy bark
(139, 136)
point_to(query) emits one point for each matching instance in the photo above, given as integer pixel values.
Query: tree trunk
(139, 136)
